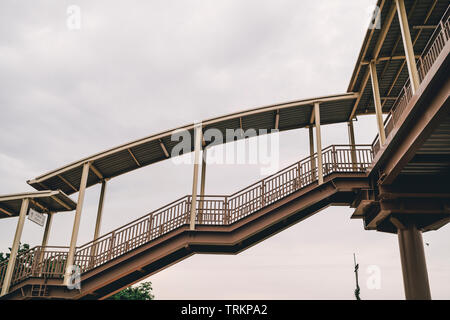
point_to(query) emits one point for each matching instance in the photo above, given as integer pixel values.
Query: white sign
(36, 217)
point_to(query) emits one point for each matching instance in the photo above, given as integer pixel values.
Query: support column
(407, 45)
(202, 184)
(76, 224)
(100, 210)
(15, 247)
(44, 243)
(351, 140)
(48, 226)
(197, 149)
(377, 102)
(311, 152)
(318, 143)
(415, 275)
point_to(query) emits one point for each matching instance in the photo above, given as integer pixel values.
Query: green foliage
(22, 248)
(141, 292)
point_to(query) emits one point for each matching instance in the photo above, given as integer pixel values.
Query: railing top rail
(106, 235)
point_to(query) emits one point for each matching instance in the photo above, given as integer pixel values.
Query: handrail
(211, 210)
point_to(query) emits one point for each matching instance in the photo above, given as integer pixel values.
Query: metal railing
(434, 47)
(50, 262)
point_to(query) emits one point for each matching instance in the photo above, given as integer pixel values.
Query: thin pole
(15, 247)
(202, 184)
(100, 210)
(48, 226)
(357, 290)
(197, 149)
(408, 46)
(351, 140)
(377, 102)
(311, 152)
(76, 224)
(318, 142)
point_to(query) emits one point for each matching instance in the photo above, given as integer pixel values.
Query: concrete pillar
(408, 45)
(76, 224)
(377, 102)
(415, 275)
(318, 143)
(202, 184)
(15, 247)
(197, 149)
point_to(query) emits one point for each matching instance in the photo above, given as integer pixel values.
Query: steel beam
(318, 142)
(76, 223)
(197, 148)
(15, 247)
(377, 102)
(407, 45)
(415, 275)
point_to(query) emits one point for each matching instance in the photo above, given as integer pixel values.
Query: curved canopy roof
(382, 44)
(158, 147)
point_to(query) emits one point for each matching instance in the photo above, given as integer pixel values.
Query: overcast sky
(135, 68)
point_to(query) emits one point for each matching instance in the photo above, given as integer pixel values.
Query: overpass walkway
(225, 224)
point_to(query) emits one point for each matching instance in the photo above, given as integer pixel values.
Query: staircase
(224, 224)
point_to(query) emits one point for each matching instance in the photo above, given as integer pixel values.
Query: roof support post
(415, 275)
(377, 102)
(197, 149)
(311, 152)
(76, 224)
(100, 210)
(318, 142)
(48, 225)
(351, 140)
(202, 185)
(15, 247)
(407, 45)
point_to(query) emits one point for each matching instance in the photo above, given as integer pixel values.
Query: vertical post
(197, 149)
(15, 247)
(377, 102)
(202, 185)
(98, 222)
(48, 226)
(100, 210)
(407, 45)
(318, 142)
(415, 275)
(351, 140)
(76, 224)
(44, 243)
(311, 153)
